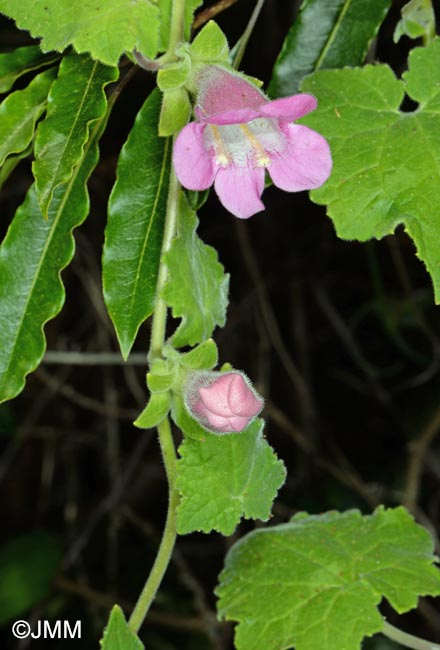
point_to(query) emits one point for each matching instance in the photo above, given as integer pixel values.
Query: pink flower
(239, 133)
(223, 402)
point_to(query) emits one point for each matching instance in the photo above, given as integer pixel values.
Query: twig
(105, 601)
(210, 12)
(271, 323)
(77, 358)
(417, 452)
(85, 401)
(110, 501)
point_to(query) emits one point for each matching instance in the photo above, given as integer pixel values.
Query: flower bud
(222, 402)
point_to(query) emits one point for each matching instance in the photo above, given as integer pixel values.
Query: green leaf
(117, 634)
(19, 113)
(165, 20)
(224, 478)
(386, 163)
(32, 255)
(316, 581)
(418, 19)
(197, 287)
(156, 410)
(22, 60)
(326, 35)
(11, 163)
(28, 565)
(104, 28)
(75, 101)
(136, 217)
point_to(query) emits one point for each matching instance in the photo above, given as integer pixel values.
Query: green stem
(177, 24)
(169, 534)
(164, 430)
(408, 640)
(241, 47)
(160, 311)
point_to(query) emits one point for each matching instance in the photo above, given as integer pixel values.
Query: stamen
(262, 158)
(221, 157)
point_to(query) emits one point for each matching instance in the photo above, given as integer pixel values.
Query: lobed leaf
(136, 218)
(330, 34)
(316, 582)
(32, 255)
(197, 287)
(118, 635)
(223, 478)
(19, 113)
(20, 61)
(75, 100)
(386, 163)
(103, 28)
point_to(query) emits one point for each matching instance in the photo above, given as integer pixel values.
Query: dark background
(343, 340)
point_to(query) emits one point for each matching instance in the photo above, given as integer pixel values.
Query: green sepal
(197, 198)
(162, 376)
(203, 357)
(210, 45)
(156, 410)
(185, 422)
(418, 19)
(175, 111)
(176, 75)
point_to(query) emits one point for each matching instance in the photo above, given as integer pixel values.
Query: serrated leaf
(19, 113)
(32, 255)
(386, 163)
(156, 410)
(75, 101)
(165, 20)
(28, 565)
(326, 35)
(20, 61)
(104, 28)
(197, 287)
(224, 478)
(134, 232)
(118, 635)
(299, 584)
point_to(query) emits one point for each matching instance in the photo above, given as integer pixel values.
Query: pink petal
(221, 90)
(240, 188)
(304, 164)
(237, 423)
(236, 116)
(192, 162)
(215, 396)
(289, 108)
(242, 400)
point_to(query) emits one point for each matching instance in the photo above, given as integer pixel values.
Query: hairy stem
(406, 639)
(164, 430)
(169, 535)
